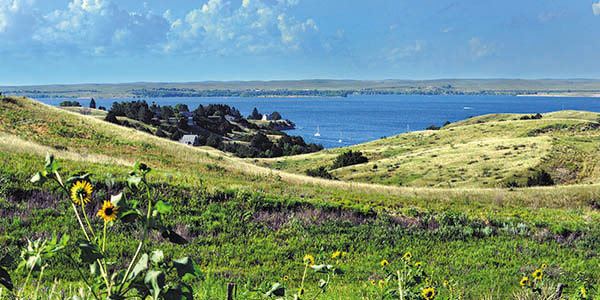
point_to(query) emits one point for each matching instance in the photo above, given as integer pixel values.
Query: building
(267, 117)
(190, 139)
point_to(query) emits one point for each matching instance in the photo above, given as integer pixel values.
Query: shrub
(433, 127)
(349, 158)
(319, 172)
(540, 178)
(70, 103)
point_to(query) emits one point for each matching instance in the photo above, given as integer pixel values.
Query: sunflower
(418, 264)
(524, 281)
(336, 254)
(428, 293)
(81, 192)
(309, 260)
(373, 282)
(384, 262)
(381, 284)
(407, 256)
(286, 278)
(544, 266)
(108, 212)
(537, 274)
(583, 292)
(445, 282)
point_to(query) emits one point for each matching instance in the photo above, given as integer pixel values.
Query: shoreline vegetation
(317, 88)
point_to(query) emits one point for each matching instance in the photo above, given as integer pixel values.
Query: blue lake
(358, 119)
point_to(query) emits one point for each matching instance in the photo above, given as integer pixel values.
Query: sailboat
(317, 133)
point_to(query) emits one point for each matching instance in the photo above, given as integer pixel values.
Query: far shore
(563, 95)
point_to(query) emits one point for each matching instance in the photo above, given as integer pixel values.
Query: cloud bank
(102, 28)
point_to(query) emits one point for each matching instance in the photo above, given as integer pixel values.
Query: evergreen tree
(255, 115)
(92, 103)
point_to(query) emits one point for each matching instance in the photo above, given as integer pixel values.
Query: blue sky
(81, 41)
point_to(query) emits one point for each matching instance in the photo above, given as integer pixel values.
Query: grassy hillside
(251, 224)
(485, 151)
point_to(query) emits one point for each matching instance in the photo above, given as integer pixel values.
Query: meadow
(253, 222)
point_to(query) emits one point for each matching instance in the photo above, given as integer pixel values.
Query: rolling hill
(252, 224)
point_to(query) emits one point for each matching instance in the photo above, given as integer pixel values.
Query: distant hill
(499, 150)
(315, 87)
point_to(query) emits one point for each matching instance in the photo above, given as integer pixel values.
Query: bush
(70, 103)
(319, 172)
(111, 117)
(349, 158)
(540, 178)
(433, 127)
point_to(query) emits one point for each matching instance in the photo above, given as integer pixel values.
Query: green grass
(251, 224)
(479, 152)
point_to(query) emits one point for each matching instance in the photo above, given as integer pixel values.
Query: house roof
(191, 138)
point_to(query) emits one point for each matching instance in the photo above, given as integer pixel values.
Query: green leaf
(130, 216)
(276, 290)
(74, 179)
(5, 279)
(89, 252)
(141, 266)
(116, 200)
(95, 268)
(155, 280)
(163, 207)
(51, 164)
(157, 256)
(322, 283)
(179, 292)
(173, 237)
(33, 261)
(186, 268)
(141, 168)
(134, 181)
(38, 177)
(322, 268)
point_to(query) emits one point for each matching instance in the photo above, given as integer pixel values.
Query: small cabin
(190, 139)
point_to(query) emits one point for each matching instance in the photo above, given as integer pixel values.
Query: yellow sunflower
(407, 256)
(108, 212)
(286, 278)
(537, 274)
(336, 254)
(524, 281)
(81, 192)
(381, 284)
(583, 292)
(428, 293)
(544, 266)
(309, 260)
(373, 283)
(445, 282)
(418, 264)
(384, 262)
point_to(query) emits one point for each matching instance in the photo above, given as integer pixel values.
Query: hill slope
(486, 151)
(248, 223)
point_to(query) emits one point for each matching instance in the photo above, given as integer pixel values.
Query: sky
(104, 41)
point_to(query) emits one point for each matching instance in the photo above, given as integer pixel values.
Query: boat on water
(467, 108)
(317, 133)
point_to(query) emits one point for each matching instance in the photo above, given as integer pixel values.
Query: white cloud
(480, 49)
(100, 27)
(400, 53)
(253, 26)
(596, 8)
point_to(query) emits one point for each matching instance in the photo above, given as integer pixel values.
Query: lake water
(358, 119)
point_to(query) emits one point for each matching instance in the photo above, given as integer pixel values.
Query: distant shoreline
(566, 95)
